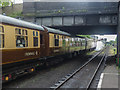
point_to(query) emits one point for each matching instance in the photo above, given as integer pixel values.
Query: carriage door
(43, 44)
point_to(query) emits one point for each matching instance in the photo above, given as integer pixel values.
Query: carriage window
(25, 32)
(64, 41)
(35, 39)
(16, 31)
(62, 37)
(19, 31)
(33, 33)
(58, 36)
(1, 40)
(1, 29)
(21, 39)
(1, 37)
(54, 36)
(41, 39)
(26, 41)
(36, 33)
(56, 40)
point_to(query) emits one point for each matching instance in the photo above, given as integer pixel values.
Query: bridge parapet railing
(57, 12)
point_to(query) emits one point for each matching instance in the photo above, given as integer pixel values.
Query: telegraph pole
(118, 36)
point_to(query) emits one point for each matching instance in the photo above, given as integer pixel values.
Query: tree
(112, 42)
(86, 36)
(4, 3)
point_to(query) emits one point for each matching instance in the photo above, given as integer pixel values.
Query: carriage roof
(57, 31)
(17, 22)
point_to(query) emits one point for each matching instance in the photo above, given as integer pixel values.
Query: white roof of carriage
(17, 22)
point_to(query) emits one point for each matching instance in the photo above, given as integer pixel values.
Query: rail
(69, 76)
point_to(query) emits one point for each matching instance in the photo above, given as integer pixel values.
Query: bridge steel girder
(88, 30)
(81, 20)
(82, 24)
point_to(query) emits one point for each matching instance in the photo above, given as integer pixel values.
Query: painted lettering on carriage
(56, 50)
(31, 53)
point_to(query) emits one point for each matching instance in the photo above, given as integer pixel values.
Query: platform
(109, 78)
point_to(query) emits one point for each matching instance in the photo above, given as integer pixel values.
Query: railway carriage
(90, 44)
(25, 46)
(77, 44)
(20, 40)
(23, 43)
(58, 42)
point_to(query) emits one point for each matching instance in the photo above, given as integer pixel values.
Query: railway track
(67, 81)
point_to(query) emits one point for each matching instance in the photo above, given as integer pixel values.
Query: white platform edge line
(100, 81)
(112, 73)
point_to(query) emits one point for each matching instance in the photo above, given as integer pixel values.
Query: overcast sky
(17, 1)
(109, 37)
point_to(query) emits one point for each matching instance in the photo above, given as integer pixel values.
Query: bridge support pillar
(118, 37)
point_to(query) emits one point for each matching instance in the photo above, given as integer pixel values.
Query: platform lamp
(118, 37)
